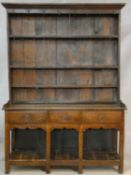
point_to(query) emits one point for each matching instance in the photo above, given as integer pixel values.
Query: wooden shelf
(101, 156)
(27, 159)
(89, 156)
(64, 162)
(61, 13)
(26, 155)
(66, 67)
(110, 102)
(65, 86)
(62, 37)
(65, 157)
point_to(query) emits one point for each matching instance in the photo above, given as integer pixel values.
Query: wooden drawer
(64, 117)
(26, 117)
(101, 117)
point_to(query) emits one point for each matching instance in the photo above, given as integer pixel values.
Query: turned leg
(121, 150)
(80, 168)
(7, 149)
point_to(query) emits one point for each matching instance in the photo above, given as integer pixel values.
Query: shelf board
(66, 67)
(63, 37)
(101, 156)
(104, 102)
(26, 155)
(93, 158)
(64, 162)
(65, 86)
(61, 13)
(65, 156)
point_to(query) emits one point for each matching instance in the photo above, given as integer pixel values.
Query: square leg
(7, 167)
(80, 167)
(121, 150)
(7, 149)
(48, 145)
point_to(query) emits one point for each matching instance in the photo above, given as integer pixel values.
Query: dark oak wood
(65, 37)
(109, 6)
(64, 104)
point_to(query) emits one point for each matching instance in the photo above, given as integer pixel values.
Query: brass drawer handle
(65, 118)
(101, 118)
(27, 118)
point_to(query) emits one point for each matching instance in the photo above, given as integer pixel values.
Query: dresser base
(69, 136)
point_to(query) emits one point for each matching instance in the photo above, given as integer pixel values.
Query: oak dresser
(64, 105)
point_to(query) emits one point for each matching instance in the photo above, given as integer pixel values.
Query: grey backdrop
(125, 71)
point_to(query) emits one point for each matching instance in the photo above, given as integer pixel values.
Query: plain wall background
(125, 66)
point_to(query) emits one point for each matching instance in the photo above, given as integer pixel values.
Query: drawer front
(26, 117)
(64, 117)
(101, 117)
